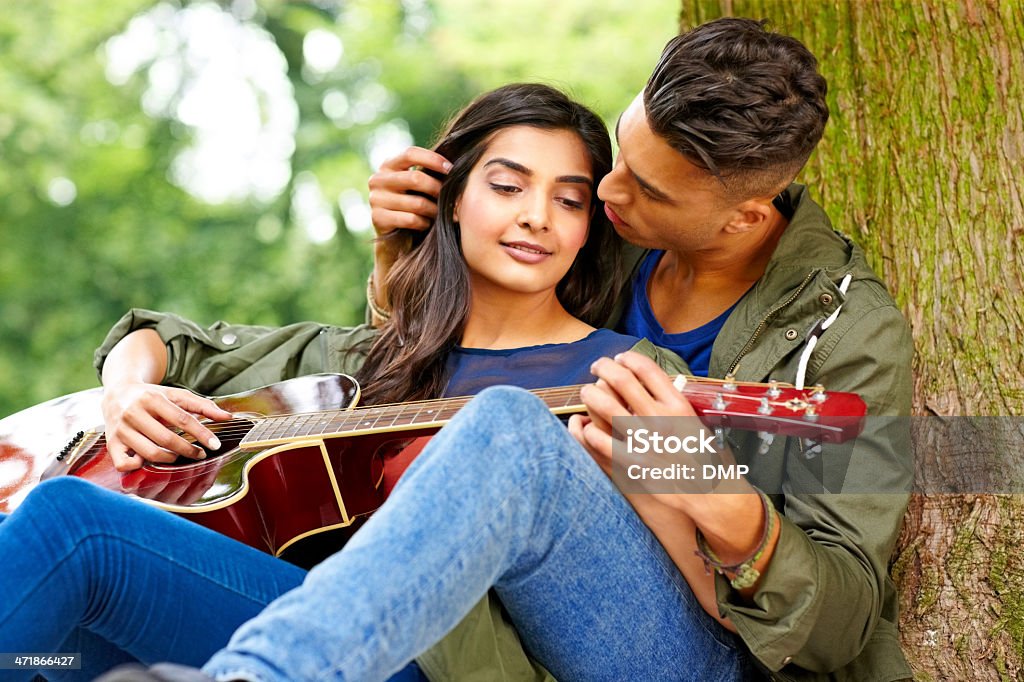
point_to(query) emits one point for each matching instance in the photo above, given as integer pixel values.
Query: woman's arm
(139, 413)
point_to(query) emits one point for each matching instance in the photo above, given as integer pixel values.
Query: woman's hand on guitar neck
(141, 422)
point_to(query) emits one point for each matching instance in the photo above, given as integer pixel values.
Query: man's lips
(613, 216)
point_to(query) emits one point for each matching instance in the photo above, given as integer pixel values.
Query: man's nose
(611, 189)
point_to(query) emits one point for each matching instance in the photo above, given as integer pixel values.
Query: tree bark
(922, 165)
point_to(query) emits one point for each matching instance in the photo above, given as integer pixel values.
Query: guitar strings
(342, 418)
(695, 386)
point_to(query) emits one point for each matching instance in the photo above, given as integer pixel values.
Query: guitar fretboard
(422, 414)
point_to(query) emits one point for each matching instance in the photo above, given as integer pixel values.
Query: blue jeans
(91, 571)
(502, 497)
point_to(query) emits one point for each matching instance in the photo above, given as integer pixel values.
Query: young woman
(504, 290)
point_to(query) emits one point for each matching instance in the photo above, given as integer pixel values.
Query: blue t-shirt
(693, 346)
(471, 370)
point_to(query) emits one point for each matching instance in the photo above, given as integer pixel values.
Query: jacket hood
(800, 287)
(810, 241)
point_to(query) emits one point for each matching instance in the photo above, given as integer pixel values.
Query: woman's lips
(525, 252)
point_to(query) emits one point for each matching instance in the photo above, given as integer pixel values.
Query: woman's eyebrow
(520, 168)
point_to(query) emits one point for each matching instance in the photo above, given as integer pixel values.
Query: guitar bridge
(70, 446)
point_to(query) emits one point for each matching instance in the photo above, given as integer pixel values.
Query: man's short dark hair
(740, 101)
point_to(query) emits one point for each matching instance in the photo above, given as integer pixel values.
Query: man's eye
(504, 189)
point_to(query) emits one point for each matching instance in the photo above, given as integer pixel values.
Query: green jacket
(826, 602)
(826, 608)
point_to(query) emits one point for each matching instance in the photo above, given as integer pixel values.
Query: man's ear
(751, 215)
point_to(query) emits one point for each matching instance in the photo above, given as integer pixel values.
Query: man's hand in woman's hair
(403, 195)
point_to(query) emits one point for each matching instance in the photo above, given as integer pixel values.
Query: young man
(745, 277)
(741, 270)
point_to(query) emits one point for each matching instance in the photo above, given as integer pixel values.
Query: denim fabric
(502, 497)
(91, 571)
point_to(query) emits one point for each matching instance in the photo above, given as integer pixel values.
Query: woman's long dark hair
(429, 288)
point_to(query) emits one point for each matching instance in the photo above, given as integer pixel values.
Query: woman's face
(525, 210)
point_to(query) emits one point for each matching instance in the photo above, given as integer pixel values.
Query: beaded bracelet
(745, 573)
(376, 312)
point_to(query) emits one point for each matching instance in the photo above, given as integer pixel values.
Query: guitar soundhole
(230, 434)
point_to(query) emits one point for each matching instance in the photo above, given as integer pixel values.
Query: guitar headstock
(778, 408)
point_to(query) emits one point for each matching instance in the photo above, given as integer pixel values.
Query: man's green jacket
(825, 609)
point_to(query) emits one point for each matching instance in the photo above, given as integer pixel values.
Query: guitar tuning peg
(766, 442)
(813, 449)
(773, 389)
(729, 382)
(818, 394)
(720, 437)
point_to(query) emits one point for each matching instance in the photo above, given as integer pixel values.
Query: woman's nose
(534, 215)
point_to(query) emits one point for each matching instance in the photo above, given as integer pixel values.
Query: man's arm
(823, 574)
(735, 525)
(403, 196)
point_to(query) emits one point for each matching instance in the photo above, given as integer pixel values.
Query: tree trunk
(921, 164)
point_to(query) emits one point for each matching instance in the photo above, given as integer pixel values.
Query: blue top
(693, 346)
(471, 370)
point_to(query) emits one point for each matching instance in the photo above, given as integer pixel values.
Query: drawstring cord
(812, 339)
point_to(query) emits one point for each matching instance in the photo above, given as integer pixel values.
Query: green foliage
(94, 212)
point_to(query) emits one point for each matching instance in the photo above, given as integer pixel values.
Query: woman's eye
(571, 203)
(504, 189)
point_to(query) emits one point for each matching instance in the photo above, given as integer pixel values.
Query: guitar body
(30, 439)
(267, 497)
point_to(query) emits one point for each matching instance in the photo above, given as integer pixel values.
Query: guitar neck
(772, 407)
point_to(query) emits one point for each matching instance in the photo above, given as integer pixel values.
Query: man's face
(655, 197)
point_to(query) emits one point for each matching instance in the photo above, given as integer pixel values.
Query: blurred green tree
(211, 157)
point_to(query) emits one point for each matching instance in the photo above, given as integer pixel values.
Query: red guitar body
(267, 497)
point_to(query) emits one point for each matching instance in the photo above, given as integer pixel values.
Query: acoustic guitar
(300, 458)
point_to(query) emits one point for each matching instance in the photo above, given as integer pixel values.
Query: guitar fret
(429, 413)
(349, 422)
(416, 415)
(300, 425)
(447, 412)
(375, 415)
(393, 415)
(323, 423)
(400, 415)
(560, 397)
